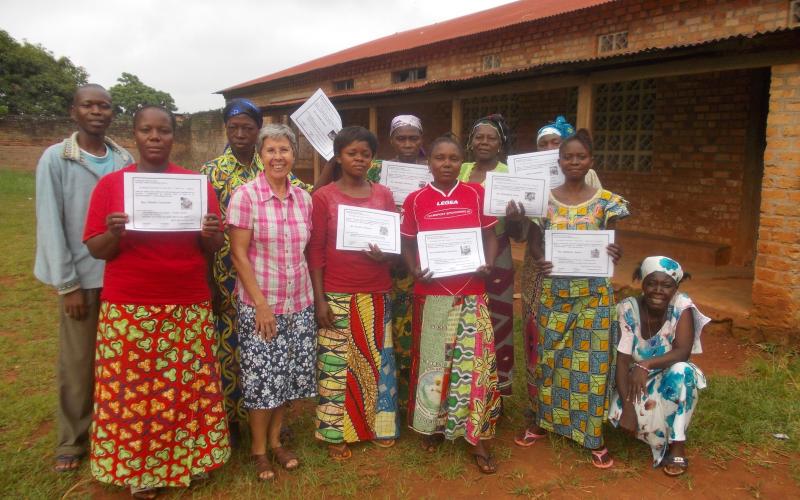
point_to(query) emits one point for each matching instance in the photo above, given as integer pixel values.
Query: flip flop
(339, 453)
(485, 463)
(384, 443)
(528, 439)
(431, 443)
(67, 463)
(599, 455)
(263, 465)
(681, 463)
(144, 493)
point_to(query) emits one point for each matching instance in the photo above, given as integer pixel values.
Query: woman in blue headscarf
(239, 164)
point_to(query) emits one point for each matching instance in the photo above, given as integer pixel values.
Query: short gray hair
(276, 131)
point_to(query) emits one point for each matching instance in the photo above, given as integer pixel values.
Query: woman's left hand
(375, 253)
(515, 211)
(615, 251)
(484, 271)
(210, 226)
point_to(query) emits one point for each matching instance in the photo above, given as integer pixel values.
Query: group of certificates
(177, 202)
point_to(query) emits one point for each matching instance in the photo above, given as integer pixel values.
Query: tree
(129, 94)
(33, 81)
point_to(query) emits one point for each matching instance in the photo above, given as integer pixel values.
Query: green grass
(736, 416)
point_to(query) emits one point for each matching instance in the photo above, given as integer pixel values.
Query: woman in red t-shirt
(357, 378)
(158, 414)
(454, 390)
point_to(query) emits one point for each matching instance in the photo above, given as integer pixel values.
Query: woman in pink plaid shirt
(269, 221)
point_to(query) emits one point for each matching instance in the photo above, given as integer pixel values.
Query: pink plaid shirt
(281, 230)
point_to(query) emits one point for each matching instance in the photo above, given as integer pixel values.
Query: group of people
(170, 342)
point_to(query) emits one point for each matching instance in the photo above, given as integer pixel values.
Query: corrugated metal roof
(523, 71)
(499, 17)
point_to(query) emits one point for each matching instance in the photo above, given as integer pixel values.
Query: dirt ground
(551, 469)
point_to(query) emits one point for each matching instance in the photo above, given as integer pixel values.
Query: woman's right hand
(265, 322)
(324, 314)
(425, 275)
(543, 267)
(115, 223)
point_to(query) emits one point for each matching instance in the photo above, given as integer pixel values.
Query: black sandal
(67, 463)
(431, 443)
(678, 465)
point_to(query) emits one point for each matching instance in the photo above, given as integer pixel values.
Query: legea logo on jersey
(448, 213)
(446, 202)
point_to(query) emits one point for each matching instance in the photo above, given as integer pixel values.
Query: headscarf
(405, 121)
(243, 106)
(497, 122)
(559, 127)
(668, 266)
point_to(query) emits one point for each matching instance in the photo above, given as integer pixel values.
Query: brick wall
(701, 159)
(198, 138)
(776, 288)
(568, 37)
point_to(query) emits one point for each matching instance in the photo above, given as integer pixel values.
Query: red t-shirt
(151, 267)
(431, 209)
(346, 271)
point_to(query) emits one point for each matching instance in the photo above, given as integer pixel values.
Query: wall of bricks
(567, 37)
(776, 288)
(701, 156)
(198, 138)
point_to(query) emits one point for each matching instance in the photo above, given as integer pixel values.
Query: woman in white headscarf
(657, 386)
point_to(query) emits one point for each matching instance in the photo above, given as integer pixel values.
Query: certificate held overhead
(319, 122)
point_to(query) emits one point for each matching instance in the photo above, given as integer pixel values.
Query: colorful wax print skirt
(500, 289)
(356, 369)
(402, 320)
(158, 412)
(453, 370)
(576, 317)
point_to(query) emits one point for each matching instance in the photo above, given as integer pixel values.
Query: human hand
(211, 226)
(484, 271)
(324, 314)
(75, 306)
(615, 251)
(628, 421)
(543, 267)
(375, 253)
(115, 223)
(425, 275)
(637, 384)
(515, 211)
(265, 322)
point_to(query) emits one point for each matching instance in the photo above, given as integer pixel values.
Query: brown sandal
(284, 456)
(263, 465)
(339, 452)
(431, 443)
(485, 463)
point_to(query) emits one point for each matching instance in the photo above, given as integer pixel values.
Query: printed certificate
(165, 202)
(319, 122)
(403, 179)
(500, 188)
(579, 253)
(538, 165)
(357, 227)
(451, 251)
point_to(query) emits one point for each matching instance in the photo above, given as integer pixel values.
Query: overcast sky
(193, 48)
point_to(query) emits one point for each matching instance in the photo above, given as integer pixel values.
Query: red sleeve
(388, 201)
(319, 231)
(408, 220)
(486, 220)
(98, 210)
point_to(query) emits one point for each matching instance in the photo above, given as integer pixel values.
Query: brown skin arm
(105, 246)
(628, 419)
(326, 174)
(515, 220)
(536, 248)
(265, 318)
(321, 307)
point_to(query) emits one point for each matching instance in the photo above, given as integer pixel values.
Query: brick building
(694, 106)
